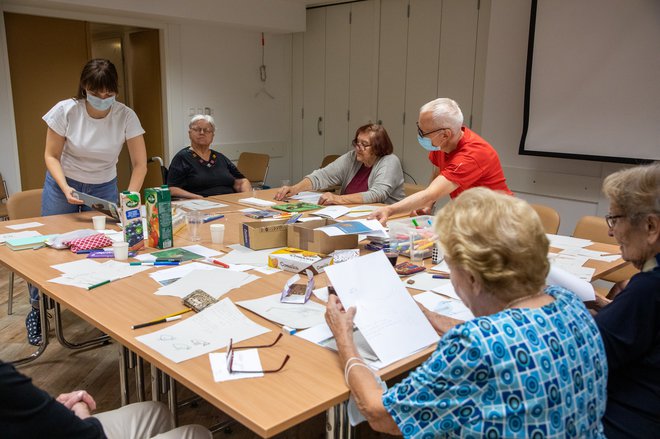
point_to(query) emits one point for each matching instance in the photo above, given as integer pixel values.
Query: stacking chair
(549, 218)
(329, 159)
(26, 204)
(595, 228)
(163, 168)
(4, 194)
(254, 166)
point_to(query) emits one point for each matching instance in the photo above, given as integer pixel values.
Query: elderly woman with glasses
(199, 171)
(531, 364)
(369, 173)
(630, 325)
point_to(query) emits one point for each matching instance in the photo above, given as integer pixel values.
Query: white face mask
(98, 103)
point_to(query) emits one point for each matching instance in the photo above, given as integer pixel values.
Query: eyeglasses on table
(230, 357)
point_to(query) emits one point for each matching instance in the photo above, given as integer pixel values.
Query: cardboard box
(304, 236)
(298, 261)
(259, 235)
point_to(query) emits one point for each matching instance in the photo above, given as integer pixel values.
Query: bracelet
(351, 359)
(347, 372)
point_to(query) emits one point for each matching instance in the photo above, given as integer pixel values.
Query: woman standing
(84, 138)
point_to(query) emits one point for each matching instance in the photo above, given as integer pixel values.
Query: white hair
(205, 117)
(446, 113)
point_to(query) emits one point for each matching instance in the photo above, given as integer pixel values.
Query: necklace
(522, 299)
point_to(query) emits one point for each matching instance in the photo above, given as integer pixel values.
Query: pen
(91, 287)
(155, 322)
(414, 221)
(220, 263)
(83, 252)
(168, 260)
(440, 276)
(156, 263)
(363, 210)
(208, 219)
(425, 246)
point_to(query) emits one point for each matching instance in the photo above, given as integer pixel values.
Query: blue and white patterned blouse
(533, 373)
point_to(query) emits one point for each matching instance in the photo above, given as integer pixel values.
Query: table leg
(59, 333)
(171, 400)
(155, 384)
(123, 374)
(139, 378)
(337, 423)
(44, 334)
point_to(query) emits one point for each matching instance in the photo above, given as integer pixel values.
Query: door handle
(318, 126)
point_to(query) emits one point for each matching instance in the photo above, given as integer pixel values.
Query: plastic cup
(217, 233)
(99, 222)
(194, 220)
(120, 249)
(392, 253)
(416, 253)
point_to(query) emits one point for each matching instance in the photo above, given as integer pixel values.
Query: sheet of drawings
(294, 315)
(387, 316)
(203, 333)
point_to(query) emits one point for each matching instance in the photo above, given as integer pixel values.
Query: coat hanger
(262, 72)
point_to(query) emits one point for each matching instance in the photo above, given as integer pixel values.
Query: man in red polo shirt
(462, 158)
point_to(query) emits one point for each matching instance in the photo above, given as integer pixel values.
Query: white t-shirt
(92, 146)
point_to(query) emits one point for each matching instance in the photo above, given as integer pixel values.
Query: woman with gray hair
(630, 325)
(531, 364)
(199, 171)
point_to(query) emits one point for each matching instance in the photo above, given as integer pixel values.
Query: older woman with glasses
(630, 325)
(199, 171)
(531, 364)
(369, 173)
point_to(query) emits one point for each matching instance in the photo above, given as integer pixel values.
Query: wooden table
(311, 383)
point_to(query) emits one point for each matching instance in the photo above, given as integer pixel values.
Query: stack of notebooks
(31, 242)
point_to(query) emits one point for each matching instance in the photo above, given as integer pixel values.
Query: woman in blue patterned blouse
(531, 364)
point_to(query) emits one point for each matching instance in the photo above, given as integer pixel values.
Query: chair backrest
(329, 159)
(254, 166)
(593, 228)
(3, 189)
(163, 168)
(409, 188)
(26, 204)
(549, 218)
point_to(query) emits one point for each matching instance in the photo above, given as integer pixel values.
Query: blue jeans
(53, 202)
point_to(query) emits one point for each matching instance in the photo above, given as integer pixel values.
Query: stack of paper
(242, 255)
(28, 242)
(307, 197)
(85, 273)
(253, 201)
(18, 235)
(215, 282)
(355, 227)
(199, 204)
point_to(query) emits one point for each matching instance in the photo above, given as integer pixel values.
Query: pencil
(155, 322)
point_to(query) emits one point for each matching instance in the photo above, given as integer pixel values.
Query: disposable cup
(194, 220)
(217, 233)
(99, 222)
(120, 249)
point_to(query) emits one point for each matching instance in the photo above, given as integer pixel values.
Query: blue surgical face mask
(426, 143)
(98, 103)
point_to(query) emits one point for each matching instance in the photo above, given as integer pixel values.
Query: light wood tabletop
(312, 381)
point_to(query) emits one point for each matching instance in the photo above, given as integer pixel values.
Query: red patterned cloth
(89, 242)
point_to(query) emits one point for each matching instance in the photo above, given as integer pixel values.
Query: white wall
(570, 186)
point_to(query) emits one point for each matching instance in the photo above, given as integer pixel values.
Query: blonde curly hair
(498, 239)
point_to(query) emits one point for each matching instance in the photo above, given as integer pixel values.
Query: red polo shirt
(473, 163)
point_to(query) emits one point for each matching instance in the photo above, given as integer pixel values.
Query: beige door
(45, 59)
(144, 71)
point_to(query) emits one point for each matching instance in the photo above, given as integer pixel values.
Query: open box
(259, 235)
(303, 236)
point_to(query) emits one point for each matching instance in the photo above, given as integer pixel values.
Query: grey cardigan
(385, 181)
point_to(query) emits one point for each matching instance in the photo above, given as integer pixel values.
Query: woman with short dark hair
(370, 173)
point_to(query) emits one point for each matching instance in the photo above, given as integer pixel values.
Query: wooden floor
(96, 370)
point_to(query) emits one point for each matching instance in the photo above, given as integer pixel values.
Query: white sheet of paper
(25, 226)
(215, 282)
(201, 250)
(360, 209)
(85, 272)
(559, 276)
(424, 281)
(374, 226)
(387, 316)
(589, 254)
(294, 315)
(266, 270)
(199, 204)
(447, 307)
(307, 197)
(446, 290)
(246, 256)
(202, 333)
(333, 212)
(15, 235)
(563, 242)
(247, 359)
(442, 266)
(166, 276)
(321, 293)
(257, 202)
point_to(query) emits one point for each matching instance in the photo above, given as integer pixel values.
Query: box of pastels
(416, 232)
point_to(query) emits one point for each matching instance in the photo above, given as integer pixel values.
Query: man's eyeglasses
(230, 357)
(424, 134)
(360, 145)
(202, 130)
(611, 219)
